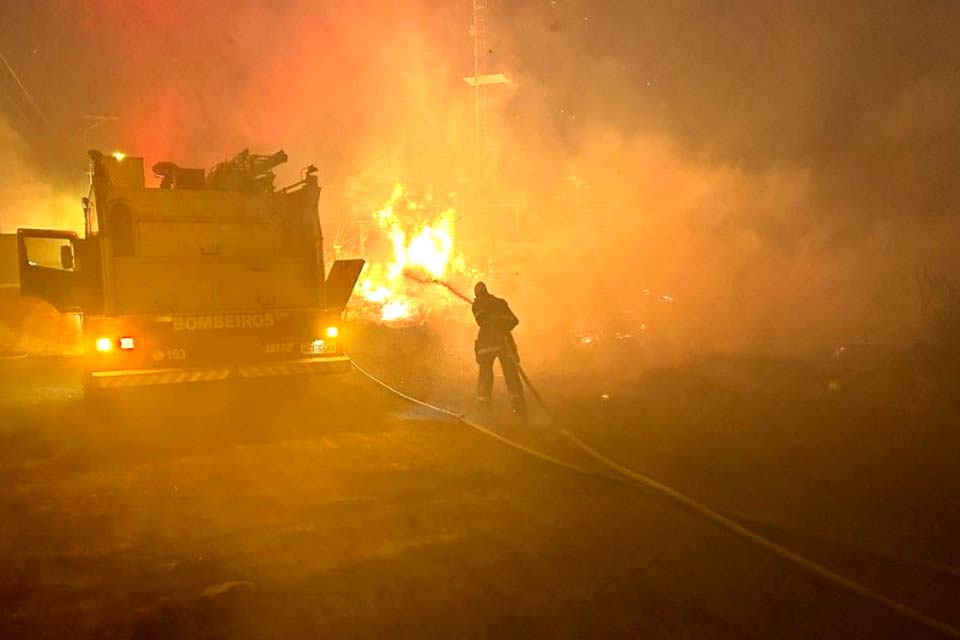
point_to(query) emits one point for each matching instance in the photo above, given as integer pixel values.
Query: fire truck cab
(212, 275)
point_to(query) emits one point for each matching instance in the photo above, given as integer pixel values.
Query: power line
(18, 109)
(30, 99)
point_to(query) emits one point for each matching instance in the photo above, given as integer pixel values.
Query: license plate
(176, 354)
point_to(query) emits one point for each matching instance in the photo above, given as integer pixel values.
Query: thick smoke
(783, 171)
(767, 176)
(29, 198)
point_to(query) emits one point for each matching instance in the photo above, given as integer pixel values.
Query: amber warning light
(106, 344)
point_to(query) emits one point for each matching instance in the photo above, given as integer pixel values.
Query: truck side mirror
(66, 257)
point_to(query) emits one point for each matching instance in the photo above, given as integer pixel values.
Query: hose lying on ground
(745, 533)
(637, 479)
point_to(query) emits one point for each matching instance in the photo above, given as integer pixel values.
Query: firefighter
(494, 341)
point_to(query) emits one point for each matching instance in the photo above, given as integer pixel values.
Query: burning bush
(421, 251)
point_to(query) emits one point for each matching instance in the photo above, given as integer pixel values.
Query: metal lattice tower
(480, 79)
(480, 68)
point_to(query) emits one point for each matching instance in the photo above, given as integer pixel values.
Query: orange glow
(104, 344)
(126, 343)
(422, 240)
(333, 332)
(119, 155)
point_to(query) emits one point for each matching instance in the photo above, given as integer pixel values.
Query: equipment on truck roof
(246, 172)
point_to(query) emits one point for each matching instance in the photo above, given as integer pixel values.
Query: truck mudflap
(149, 377)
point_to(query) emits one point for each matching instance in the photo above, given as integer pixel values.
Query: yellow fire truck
(215, 274)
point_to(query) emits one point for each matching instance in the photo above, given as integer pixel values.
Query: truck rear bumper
(146, 377)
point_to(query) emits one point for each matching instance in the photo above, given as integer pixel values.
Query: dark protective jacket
(496, 321)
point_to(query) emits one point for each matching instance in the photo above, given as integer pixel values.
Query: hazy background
(771, 176)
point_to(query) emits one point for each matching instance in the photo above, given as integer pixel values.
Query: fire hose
(631, 477)
(751, 536)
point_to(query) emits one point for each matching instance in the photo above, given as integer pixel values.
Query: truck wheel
(289, 388)
(268, 393)
(95, 398)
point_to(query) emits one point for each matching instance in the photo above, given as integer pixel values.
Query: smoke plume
(764, 176)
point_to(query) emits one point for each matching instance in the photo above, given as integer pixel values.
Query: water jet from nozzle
(437, 281)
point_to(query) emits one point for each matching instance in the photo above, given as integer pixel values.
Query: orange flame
(422, 239)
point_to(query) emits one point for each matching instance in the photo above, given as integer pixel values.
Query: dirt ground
(221, 512)
(31, 326)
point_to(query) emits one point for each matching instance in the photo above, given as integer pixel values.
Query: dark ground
(197, 513)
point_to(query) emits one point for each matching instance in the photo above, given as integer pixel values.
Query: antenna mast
(480, 68)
